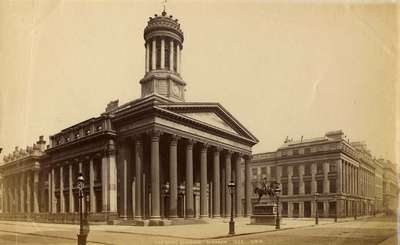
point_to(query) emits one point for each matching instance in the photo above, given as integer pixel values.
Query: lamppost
(277, 190)
(355, 209)
(231, 187)
(182, 193)
(316, 207)
(80, 185)
(165, 191)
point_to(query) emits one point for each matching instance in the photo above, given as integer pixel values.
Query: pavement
(369, 230)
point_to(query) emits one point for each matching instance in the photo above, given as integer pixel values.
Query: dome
(163, 25)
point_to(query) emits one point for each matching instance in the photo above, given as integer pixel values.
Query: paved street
(378, 230)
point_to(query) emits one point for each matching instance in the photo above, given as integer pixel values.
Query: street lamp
(355, 210)
(277, 191)
(80, 185)
(316, 207)
(231, 187)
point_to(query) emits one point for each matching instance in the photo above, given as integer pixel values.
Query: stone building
(390, 187)
(346, 176)
(153, 158)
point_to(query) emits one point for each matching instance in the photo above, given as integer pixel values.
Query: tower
(163, 42)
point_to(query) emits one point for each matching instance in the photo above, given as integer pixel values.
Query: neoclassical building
(348, 178)
(155, 158)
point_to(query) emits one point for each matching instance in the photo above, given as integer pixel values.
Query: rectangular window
(320, 186)
(284, 208)
(332, 167)
(332, 209)
(254, 171)
(273, 171)
(295, 188)
(332, 186)
(284, 171)
(307, 187)
(307, 150)
(295, 171)
(284, 188)
(263, 170)
(320, 169)
(295, 152)
(307, 169)
(284, 153)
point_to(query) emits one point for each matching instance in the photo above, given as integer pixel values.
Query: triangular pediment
(212, 115)
(210, 118)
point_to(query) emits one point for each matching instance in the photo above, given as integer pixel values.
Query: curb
(52, 236)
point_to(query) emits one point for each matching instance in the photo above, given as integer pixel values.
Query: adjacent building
(155, 158)
(348, 179)
(390, 187)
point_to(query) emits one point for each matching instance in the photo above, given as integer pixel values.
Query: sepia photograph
(199, 122)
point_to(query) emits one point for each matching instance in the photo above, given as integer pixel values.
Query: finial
(164, 3)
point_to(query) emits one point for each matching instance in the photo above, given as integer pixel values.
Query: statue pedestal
(263, 214)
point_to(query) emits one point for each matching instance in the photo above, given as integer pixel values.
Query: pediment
(212, 115)
(210, 118)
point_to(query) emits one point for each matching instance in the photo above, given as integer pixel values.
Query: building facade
(154, 158)
(348, 179)
(390, 187)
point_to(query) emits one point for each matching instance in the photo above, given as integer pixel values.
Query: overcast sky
(281, 69)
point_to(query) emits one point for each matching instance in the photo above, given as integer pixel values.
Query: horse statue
(266, 190)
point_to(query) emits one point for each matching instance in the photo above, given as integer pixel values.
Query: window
(284, 188)
(332, 167)
(296, 152)
(332, 209)
(295, 188)
(254, 171)
(284, 171)
(332, 186)
(307, 169)
(307, 150)
(284, 153)
(320, 186)
(320, 169)
(273, 171)
(307, 187)
(263, 170)
(295, 171)
(284, 208)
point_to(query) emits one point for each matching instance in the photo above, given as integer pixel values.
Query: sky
(281, 68)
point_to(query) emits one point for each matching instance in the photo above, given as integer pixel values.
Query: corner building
(154, 158)
(347, 177)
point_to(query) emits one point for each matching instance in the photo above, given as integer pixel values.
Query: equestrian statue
(267, 190)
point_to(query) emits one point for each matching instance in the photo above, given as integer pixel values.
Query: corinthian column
(228, 178)
(138, 173)
(248, 186)
(173, 177)
(203, 181)
(155, 175)
(238, 181)
(189, 180)
(216, 184)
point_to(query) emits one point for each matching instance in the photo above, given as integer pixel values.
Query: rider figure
(264, 184)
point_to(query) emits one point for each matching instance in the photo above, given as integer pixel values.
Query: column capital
(228, 153)
(217, 149)
(238, 154)
(174, 139)
(154, 134)
(190, 142)
(204, 146)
